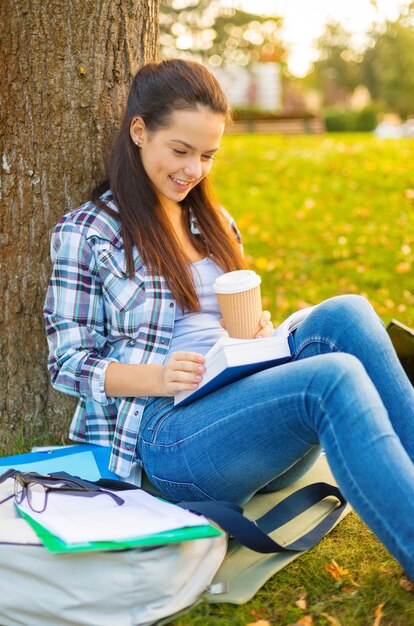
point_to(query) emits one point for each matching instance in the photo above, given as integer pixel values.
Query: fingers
(181, 371)
(266, 325)
(188, 361)
(184, 370)
(265, 318)
(187, 356)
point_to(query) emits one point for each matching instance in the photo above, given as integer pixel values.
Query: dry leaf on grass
(341, 574)
(306, 620)
(336, 571)
(301, 602)
(331, 620)
(378, 615)
(261, 622)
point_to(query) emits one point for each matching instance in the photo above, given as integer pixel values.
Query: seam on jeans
(357, 492)
(147, 417)
(159, 425)
(315, 339)
(186, 486)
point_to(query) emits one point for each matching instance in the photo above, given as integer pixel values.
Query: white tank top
(199, 331)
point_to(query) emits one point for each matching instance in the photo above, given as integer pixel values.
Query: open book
(231, 359)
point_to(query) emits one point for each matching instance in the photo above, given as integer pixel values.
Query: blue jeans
(344, 390)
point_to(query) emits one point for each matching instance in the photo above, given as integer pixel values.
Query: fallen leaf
(378, 614)
(301, 603)
(331, 620)
(349, 591)
(261, 622)
(306, 620)
(336, 571)
(403, 267)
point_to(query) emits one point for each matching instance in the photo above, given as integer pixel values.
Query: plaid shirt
(96, 315)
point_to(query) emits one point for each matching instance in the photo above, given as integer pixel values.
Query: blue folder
(90, 460)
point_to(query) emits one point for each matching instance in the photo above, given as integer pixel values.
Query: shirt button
(131, 342)
(136, 412)
(171, 305)
(129, 448)
(162, 340)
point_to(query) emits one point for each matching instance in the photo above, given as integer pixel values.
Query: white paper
(78, 519)
(293, 321)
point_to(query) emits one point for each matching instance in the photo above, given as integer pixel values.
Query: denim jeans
(344, 389)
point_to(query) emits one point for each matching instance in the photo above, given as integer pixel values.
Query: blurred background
(316, 89)
(297, 66)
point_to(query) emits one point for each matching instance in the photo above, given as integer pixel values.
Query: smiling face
(177, 157)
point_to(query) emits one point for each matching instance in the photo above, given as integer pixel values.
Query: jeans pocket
(179, 491)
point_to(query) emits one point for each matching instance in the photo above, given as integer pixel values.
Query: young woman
(130, 312)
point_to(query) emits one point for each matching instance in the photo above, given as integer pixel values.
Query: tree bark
(65, 69)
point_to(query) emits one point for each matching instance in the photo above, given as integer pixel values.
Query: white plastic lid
(234, 282)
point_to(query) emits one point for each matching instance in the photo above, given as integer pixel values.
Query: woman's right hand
(183, 370)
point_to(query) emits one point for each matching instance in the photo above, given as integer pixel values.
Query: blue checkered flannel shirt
(96, 315)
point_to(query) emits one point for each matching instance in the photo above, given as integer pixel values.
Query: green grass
(322, 216)
(353, 547)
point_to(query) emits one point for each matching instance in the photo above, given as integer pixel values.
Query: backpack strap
(254, 534)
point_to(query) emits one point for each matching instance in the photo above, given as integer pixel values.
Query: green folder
(55, 544)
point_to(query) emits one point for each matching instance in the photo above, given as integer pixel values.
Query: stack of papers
(74, 523)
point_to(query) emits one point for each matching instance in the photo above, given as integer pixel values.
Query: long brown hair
(157, 90)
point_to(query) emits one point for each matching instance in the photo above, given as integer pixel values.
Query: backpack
(143, 586)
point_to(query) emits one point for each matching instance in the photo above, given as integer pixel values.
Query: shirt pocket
(124, 297)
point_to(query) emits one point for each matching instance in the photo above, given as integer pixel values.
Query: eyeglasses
(36, 488)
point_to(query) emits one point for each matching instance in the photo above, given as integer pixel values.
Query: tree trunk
(65, 68)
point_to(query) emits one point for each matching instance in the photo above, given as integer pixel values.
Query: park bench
(283, 126)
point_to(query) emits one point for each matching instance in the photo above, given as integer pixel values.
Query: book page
(293, 321)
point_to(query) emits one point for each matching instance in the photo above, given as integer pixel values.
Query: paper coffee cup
(239, 298)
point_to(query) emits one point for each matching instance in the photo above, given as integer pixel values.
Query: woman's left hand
(266, 326)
